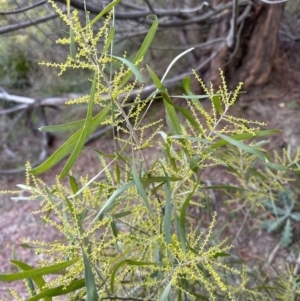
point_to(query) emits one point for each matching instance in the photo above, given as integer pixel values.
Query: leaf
(270, 206)
(183, 213)
(114, 228)
(37, 272)
(265, 225)
(73, 184)
(190, 138)
(139, 186)
(122, 263)
(221, 254)
(144, 47)
(90, 286)
(134, 69)
(63, 127)
(72, 44)
(103, 12)
(277, 224)
(117, 173)
(296, 216)
(287, 199)
(258, 174)
(110, 202)
(112, 156)
(194, 163)
(168, 149)
(244, 136)
(150, 179)
(184, 112)
(277, 166)
(167, 213)
(40, 282)
(165, 293)
(69, 145)
(217, 103)
(243, 146)
(59, 290)
(187, 88)
(170, 111)
(24, 266)
(287, 234)
(84, 133)
(198, 296)
(175, 60)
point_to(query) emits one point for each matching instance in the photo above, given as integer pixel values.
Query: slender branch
(178, 17)
(274, 2)
(231, 38)
(272, 256)
(150, 6)
(132, 5)
(21, 10)
(289, 36)
(23, 25)
(203, 17)
(183, 15)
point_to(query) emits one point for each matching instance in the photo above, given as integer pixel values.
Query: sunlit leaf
(85, 131)
(111, 201)
(217, 103)
(139, 186)
(121, 264)
(174, 61)
(103, 12)
(69, 145)
(134, 69)
(144, 48)
(59, 290)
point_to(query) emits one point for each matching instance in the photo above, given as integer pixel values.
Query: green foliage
(129, 232)
(16, 68)
(283, 216)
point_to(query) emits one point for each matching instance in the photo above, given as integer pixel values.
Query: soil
(277, 104)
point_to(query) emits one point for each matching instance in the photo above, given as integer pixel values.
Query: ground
(277, 104)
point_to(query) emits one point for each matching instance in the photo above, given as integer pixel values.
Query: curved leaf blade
(134, 69)
(144, 47)
(90, 286)
(59, 290)
(110, 202)
(103, 12)
(37, 272)
(69, 145)
(140, 187)
(84, 133)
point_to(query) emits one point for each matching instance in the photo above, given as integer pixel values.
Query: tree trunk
(257, 45)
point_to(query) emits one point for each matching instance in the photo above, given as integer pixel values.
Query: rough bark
(257, 45)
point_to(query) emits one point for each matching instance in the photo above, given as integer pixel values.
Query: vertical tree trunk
(257, 44)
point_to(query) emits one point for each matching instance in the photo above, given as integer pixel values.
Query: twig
(21, 10)
(297, 266)
(23, 25)
(272, 256)
(289, 36)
